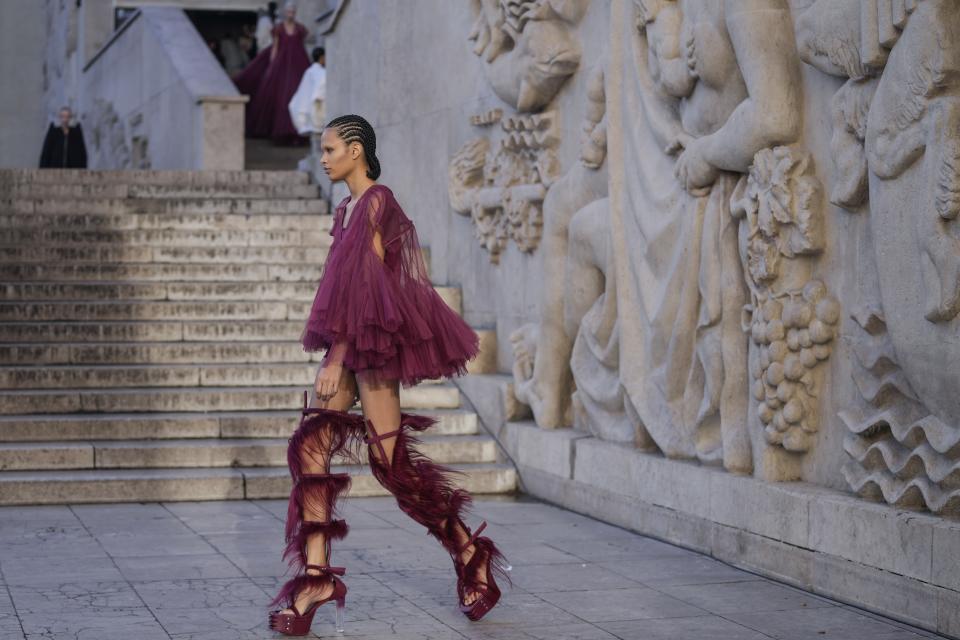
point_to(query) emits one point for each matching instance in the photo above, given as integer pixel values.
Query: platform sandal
(297, 623)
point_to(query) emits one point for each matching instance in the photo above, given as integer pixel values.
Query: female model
(272, 78)
(382, 324)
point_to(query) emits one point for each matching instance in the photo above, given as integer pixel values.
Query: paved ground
(205, 570)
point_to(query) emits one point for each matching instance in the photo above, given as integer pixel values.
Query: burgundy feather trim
(323, 434)
(316, 494)
(424, 490)
(295, 551)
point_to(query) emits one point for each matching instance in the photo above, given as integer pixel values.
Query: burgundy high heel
(486, 557)
(298, 624)
(426, 492)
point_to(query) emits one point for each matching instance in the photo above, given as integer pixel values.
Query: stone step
(225, 351)
(486, 360)
(156, 353)
(123, 190)
(43, 237)
(151, 331)
(121, 292)
(477, 478)
(186, 291)
(135, 400)
(75, 256)
(208, 452)
(150, 272)
(164, 178)
(175, 206)
(158, 426)
(168, 485)
(185, 308)
(116, 376)
(152, 310)
(181, 222)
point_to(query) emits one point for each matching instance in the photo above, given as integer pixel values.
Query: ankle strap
(319, 523)
(325, 569)
(472, 538)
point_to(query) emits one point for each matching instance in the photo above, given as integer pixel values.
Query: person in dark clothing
(63, 147)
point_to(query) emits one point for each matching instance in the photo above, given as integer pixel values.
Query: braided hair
(352, 128)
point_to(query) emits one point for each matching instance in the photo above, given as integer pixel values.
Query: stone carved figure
(896, 132)
(528, 47)
(575, 344)
(712, 84)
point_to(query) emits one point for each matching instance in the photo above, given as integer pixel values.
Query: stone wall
(155, 97)
(719, 244)
(149, 96)
(22, 75)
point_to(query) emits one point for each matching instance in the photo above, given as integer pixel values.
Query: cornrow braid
(353, 128)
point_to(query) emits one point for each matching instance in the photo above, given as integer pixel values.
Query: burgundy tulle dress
(271, 85)
(394, 325)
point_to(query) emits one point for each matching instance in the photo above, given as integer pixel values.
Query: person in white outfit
(307, 108)
(307, 104)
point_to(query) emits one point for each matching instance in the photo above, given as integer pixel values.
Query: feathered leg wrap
(425, 491)
(311, 511)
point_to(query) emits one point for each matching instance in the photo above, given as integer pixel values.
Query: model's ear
(356, 149)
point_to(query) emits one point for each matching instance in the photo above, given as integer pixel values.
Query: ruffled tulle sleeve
(383, 312)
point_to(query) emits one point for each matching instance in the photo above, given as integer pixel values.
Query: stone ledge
(827, 542)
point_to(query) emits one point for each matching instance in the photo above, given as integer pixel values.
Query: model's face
(338, 158)
(65, 115)
(290, 13)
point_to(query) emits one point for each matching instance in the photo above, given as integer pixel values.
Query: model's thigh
(315, 451)
(381, 406)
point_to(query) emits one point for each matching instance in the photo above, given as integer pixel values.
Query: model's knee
(313, 456)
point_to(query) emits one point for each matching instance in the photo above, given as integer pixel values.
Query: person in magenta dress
(383, 326)
(272, 78)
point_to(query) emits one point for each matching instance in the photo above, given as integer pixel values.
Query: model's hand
(328, 381)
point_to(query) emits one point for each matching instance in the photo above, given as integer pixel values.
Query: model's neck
(357, 184)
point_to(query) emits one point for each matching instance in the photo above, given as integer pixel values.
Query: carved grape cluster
(794, 333)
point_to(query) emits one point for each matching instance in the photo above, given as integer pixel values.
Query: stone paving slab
(207, 570)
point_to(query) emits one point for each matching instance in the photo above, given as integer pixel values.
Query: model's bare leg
(423, 489)
(310, 520)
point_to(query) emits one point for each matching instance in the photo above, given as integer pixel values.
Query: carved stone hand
(692, 169)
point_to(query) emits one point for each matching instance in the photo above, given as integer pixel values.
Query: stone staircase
(149, 326)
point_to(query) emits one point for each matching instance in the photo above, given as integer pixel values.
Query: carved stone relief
(502, 189)
(896, 140)
(528, 47)
(791, 318)
(899, 452)
(108, 140)
(566, 366)
(726, 203)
